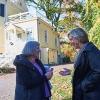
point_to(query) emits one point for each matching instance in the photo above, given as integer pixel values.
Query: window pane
(2, 10)
(46, 36)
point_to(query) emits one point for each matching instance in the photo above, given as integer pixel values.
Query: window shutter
(2, 9)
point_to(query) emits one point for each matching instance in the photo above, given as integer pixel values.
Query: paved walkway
(7, 83)
(7, 87)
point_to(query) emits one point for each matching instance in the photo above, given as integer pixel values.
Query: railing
(27, 16)
(20, 16)
(12, 51)
(5, 60)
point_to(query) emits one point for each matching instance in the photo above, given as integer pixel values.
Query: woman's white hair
(30, 47)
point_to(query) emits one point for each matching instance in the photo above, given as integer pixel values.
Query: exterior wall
(2, 40)
(2, 1)
(49, 49)
(18, 34)
(1, 21)
(12, 8)
(41, 31)
(12, 41)
(44, 55)
(38, 27)
(16, 7)
(2, 34)
(29, 25)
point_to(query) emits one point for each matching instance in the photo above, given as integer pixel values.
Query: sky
(33, 9)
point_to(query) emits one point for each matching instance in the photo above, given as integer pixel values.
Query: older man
(86, 77)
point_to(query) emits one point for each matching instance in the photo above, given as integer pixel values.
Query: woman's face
(36, 52)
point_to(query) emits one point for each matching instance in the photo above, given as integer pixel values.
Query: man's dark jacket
(86, 77)
(29, 82)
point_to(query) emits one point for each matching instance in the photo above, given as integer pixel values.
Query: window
(20, 4)
(2, 8)
(19, 36)
(46, 36)
(56, 42)
(29, 34)
(10, 35)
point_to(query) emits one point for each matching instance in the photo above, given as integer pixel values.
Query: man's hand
(49, 75)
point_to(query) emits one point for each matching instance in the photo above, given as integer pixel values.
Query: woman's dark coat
(86, 78)
(29, 82)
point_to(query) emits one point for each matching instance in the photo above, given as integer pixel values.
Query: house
(17, 26)
(8, 7)
(24, 27)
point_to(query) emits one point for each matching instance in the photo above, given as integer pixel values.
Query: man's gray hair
(79, 34)
(30, 47)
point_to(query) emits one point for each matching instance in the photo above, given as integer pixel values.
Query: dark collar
(88, 47)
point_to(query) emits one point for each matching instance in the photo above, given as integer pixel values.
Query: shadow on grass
(65, 72)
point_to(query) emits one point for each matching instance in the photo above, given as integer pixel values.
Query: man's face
(74, 42)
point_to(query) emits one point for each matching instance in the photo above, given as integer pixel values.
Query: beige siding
(44, 55)
(2, 40)
(42, 27)
(49, 55)
(17, 7)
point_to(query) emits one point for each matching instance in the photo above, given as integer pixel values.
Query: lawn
(62, 89)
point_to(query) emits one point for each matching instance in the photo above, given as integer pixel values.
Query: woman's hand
(49, 74)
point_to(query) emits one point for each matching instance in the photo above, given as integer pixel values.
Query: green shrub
(94, 33)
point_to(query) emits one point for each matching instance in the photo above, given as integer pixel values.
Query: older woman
(31, 76)
(86, 78)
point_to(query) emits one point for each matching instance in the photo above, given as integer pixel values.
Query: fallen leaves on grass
(61, 87)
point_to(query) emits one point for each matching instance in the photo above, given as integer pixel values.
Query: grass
(62, 89)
